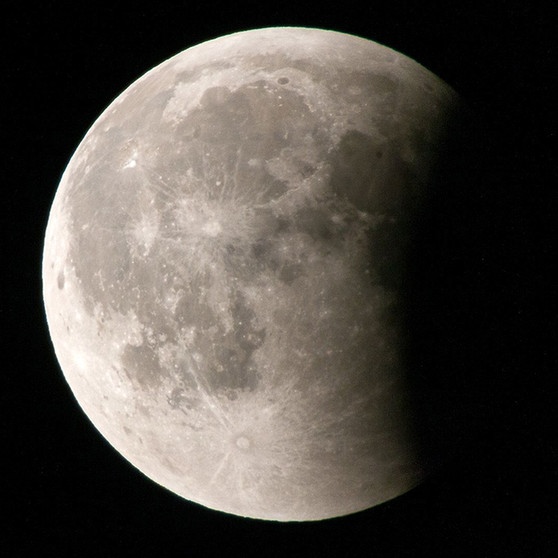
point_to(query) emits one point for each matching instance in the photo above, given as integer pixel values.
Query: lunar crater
(243, 443)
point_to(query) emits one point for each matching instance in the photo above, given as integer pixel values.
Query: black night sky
(486, 319)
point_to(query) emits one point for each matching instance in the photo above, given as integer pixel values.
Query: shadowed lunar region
(226, 270)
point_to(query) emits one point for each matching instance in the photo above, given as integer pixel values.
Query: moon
(224, 270)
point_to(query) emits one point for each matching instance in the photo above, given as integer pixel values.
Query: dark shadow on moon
(446, 297)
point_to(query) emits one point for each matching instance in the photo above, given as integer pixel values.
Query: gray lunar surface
(223, 268)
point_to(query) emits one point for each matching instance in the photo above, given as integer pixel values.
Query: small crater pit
(243, 443)
(283, 80)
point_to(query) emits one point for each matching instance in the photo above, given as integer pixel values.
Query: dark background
(484, 321)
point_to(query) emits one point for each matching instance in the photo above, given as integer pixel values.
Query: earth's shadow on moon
(445, 297)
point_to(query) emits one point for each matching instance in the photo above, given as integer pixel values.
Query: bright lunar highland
(224, 264)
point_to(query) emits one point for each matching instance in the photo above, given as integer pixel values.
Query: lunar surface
(224, 264)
